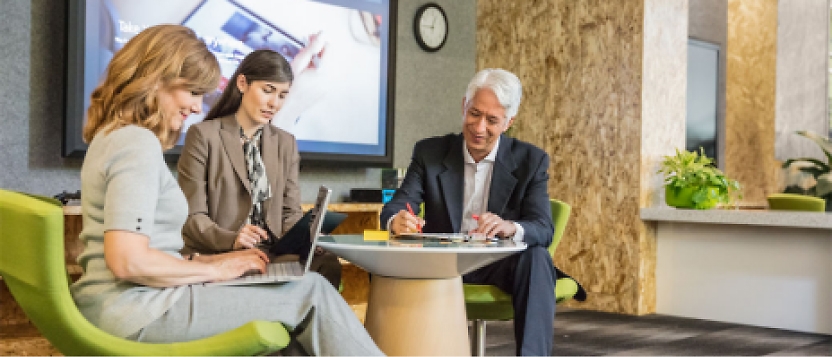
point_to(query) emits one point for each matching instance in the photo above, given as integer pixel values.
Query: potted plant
(692, 181)
(820, 171)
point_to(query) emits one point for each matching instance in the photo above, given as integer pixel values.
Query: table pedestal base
(418, 317)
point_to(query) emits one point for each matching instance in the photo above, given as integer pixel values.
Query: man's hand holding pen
(493, 226)
(406, 222)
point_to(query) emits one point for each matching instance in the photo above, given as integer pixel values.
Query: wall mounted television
(344, 114)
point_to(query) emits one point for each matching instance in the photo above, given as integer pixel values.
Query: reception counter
(766, 218)
(755, 267)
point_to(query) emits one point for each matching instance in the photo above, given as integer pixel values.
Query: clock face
(432, 28)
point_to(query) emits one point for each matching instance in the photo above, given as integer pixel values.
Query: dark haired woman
(239, 172)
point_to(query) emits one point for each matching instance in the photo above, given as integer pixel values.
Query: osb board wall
(581, 64)
(750, 98)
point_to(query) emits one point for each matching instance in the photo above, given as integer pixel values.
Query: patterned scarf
(260, 189)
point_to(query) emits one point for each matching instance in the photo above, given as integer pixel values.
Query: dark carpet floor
(591, 333)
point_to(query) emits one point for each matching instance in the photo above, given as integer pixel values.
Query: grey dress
(127, 186)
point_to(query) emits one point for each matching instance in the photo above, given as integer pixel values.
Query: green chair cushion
(32, 266)
(795, 202)
(479, 293)
(488, 302)
(565, 289)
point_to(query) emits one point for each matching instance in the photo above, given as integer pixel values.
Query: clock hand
(431, 25)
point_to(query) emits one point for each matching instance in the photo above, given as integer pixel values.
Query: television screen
(340, 106)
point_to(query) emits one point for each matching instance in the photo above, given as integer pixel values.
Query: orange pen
(410, 209)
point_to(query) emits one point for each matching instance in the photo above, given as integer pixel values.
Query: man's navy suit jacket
(518, 192)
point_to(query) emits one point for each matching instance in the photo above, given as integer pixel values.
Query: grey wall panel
(31, 84)
(802, 75)
(430, 86)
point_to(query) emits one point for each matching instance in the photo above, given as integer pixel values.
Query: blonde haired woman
(135, 283)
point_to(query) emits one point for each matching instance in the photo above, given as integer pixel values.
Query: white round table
(416, 306)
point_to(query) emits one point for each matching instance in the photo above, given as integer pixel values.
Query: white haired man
(480, 181)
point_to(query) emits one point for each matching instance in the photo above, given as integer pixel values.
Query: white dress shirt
(477, 187)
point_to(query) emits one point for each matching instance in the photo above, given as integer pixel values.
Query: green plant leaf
(824, 185)
(814, 171)
(820, 170)
(700, 195)
(824, 143)
(695, 170)
(806, 160)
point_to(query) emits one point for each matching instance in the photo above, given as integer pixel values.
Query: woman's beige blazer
(213, 176)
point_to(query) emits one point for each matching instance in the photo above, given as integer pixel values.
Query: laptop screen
(318, 213)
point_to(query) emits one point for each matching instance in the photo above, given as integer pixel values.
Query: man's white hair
(505, 85)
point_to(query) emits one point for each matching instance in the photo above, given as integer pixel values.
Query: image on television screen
(338, 103)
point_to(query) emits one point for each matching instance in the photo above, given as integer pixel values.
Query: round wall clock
(430, 26)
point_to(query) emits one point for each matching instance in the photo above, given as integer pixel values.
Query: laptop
(297, 239)
(292, 270)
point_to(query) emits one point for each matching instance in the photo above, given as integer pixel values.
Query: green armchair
(487, 302)
(32, 266)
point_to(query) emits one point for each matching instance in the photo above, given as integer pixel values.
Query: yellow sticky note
(370, 234)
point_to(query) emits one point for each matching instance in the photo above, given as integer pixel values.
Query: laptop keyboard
(276, 270)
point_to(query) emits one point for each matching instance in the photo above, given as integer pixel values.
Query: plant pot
(683, 197)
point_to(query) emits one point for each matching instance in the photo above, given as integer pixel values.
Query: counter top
(795, 219)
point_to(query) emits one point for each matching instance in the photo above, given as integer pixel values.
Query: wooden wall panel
(581, 64)
(750, 98)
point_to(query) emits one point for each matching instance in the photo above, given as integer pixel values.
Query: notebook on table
(449, 237)
(291, 270)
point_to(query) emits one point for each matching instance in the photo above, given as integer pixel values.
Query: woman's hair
(163, 57)
(505, 85)
(260, 65)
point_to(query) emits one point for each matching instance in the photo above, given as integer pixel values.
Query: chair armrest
(253, 338)
(565, 289)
